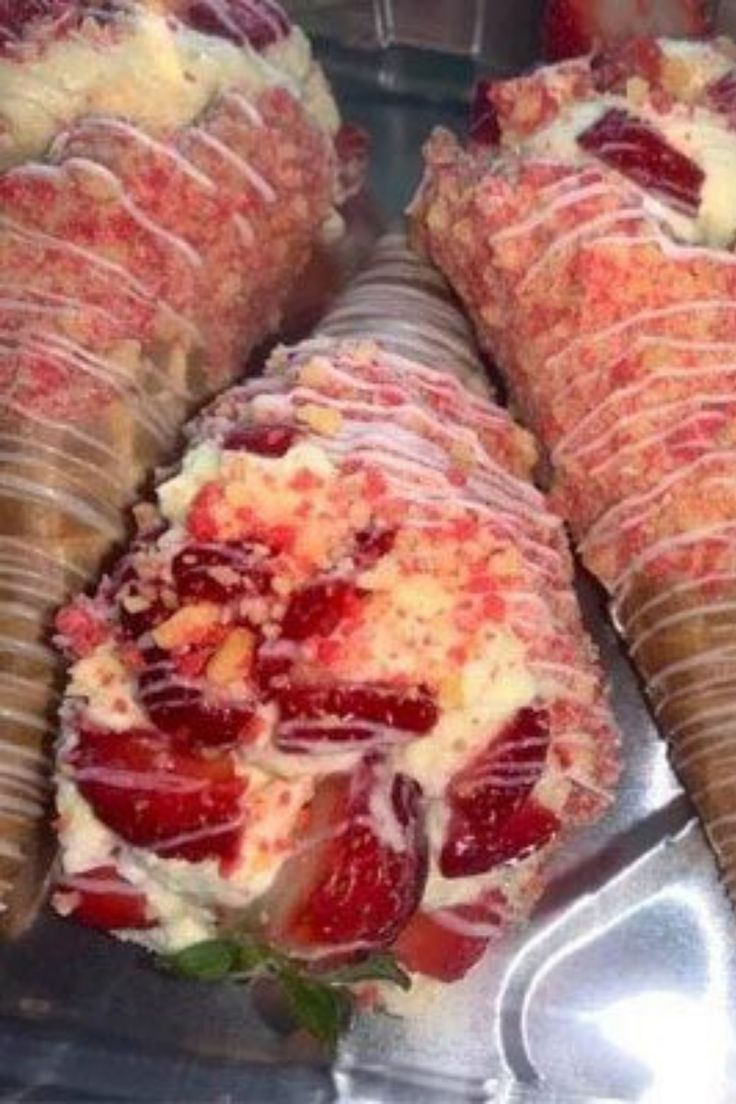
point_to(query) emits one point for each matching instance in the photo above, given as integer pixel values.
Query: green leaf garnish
(322, 1003)
(324, 1010)
(379, 967)
(210, 960)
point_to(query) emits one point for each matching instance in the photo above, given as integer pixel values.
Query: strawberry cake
(337, 695)
(589, 226)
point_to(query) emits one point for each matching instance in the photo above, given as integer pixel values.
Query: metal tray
(622, 987)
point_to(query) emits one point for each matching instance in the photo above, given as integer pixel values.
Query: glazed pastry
(589, 228)
(185, 173)
(337, 695)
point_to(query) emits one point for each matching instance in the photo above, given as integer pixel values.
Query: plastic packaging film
(140, 261)
(614, 323)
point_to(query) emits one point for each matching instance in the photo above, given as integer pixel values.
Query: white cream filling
(156, 73)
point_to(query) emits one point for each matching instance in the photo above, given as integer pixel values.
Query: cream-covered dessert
(337, 695)
(140, 261)
(156, 65)
(589, 227)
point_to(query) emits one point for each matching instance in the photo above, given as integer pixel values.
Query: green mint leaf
(252, 956)
(210, 960)
(379, 967)
(324, 1010)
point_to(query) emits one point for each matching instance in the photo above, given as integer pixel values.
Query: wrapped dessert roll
(589, 229)
(186, 168)
(336, 700)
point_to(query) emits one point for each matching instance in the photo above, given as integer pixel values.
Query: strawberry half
(271, 440)
(571, 28)
(446, 943)
(102, 898)
(493, 815)
(319, 607)
(181, 805)
(639, 153)
(360, 871)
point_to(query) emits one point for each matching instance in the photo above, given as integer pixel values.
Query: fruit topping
(371, 545)
(187, 712)
(102, 898)
(218, 572)
(484, 127)
(446, 943)
(270, 440)
(360, 870)
(571, 28)
(410, 708)
(614, 65)
(180, 804)
(636, 150)
(494, 817)
(318, 608)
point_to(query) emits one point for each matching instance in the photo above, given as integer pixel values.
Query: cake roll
(589, 225)
(336, 701)
(166, 172)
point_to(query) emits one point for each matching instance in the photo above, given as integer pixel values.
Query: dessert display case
(623, 985)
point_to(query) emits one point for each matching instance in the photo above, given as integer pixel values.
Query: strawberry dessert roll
(187, 167)
(589, 228)
(337, 698)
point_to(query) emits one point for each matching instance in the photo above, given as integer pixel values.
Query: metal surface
(622, 988)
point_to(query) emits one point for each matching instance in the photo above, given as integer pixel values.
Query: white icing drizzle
(255, 179)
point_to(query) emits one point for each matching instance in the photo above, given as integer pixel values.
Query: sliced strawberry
(493, 817)
(568, 29)
(218, 572)
(138, 601)
(571, 28)
(411, 708)
(636, 150)
(446, 943)
(178, 707)
(360, 872)
(260, 23)
(484, 127)
(102, 898)
(721, 94)
(180, 804)
(318, 608)
(272, 665)
(371, 545)
(264, 440)
(299, 737)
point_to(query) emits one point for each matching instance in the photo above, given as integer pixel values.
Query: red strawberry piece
(411, 708)
(318, 608)
(102, 898)
(721, 94)
(217, 572)
(636, 150)
(614, 65)
(17, 15)
(314, 737)
(272, 665)
(260, 23)
(484, 127)
(571, 28)
(179, 804)
(138, 601)
(493, 816)
(371, 545)
(360, 871)
(178, 707)
(264, 440)
(446, 943)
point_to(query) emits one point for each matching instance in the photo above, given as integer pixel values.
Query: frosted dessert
(141, 258)
(589, 228)
(337, 697)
